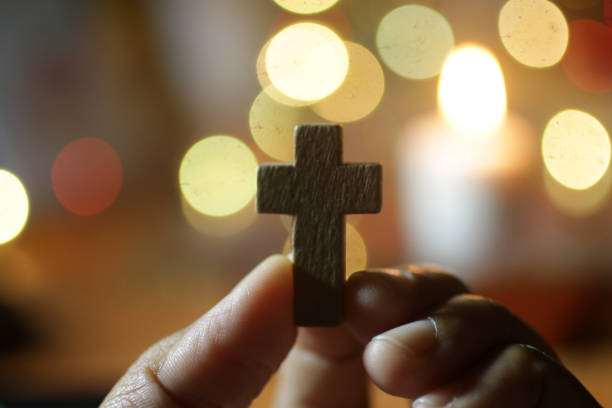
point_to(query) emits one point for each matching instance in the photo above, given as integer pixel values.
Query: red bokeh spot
(608, 11)
(588, 60)
(87, 176)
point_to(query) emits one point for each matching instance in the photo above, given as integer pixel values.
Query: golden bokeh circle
(576, 149)
(306, 6)
(534, 32)
(264, 81)
(14, 206)
(306, 61)
(414, 40)
(361, 91)
(217, 175)
(272, 125)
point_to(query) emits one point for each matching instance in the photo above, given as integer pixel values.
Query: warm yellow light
(272, 125)
(356, 251)
(361, 91)
(414, 40)
(217, 175)
(471, 91)
(534, 32)
(306, 6)
(264, 81)
(14, 206)
(306, 61)
(576, 149)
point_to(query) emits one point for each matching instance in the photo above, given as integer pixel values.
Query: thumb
(225, 357)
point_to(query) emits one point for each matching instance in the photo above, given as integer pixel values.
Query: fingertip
(274, 264)
(228, 355)
(395, 359)
(384, 362)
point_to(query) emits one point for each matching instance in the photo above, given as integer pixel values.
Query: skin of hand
(415, 332)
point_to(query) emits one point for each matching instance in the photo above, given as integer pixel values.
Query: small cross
(318, 190)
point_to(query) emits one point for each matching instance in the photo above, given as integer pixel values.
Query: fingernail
(431, 401)
(417, 338)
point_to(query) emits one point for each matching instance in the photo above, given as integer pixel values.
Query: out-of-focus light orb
(356, 250)
(218, 226)
(579, 4)
(306, 61)
(14, 206)
(87, 176)
(588, 60)
(578, 203)
(414, 40)
(266, 84)
(576, 149)
(306, 6)
(217, 175)
(472, 92)
(361, 91)
(534, 32)
(272, 125)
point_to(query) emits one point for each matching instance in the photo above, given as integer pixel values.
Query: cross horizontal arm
(276, 189)
(361, 193)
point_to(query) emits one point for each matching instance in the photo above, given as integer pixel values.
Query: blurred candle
(451, 164)
(450, 214)
(449, 190)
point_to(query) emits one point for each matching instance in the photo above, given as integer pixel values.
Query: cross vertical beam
(318, 190)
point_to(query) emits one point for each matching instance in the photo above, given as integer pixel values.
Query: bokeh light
(306, 6)
(87, 176)
(356, 250)
(266, 84)
(272, 125)
(14, 206)
(588, 60)
(534, 32)
(578, 203)
(414, 40)
(306, 61)
(471, 91)
(218, 226)
(361, 91)
(576, 149)
(217, 175)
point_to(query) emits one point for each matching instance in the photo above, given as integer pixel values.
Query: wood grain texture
(319, 190)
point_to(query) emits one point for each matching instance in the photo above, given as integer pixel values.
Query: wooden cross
(318, 190)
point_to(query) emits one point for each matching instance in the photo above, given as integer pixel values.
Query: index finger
(225, 357)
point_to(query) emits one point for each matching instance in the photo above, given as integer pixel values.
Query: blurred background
(130, 133)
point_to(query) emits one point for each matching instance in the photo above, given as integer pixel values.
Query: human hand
(413, 333)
